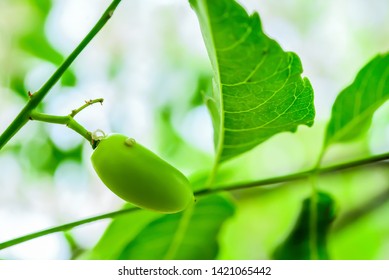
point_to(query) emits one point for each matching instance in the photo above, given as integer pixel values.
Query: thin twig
(207, 191)
(65, 227)
(295, 176)
(37, 97)
(87, 104)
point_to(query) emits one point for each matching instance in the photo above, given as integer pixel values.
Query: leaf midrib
(219, 145)
(179, 235)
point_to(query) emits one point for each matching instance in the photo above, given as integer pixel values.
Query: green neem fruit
(139, 176)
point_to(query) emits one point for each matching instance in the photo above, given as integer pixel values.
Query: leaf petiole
(64, 227)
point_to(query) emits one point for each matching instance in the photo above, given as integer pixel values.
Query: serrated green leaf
(354, 107)
(191, 234)
(297, 245)
(258, 88)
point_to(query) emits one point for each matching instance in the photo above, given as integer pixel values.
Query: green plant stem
(313, 217)
(23, 117)
(295, 176)
(87, 104)
(313, 224)
(65, 227)
(207, 191)
(66, 120)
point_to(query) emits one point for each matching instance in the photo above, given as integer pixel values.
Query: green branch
(87, 104)
(207, 191)
(313, 218)
(68, 120)
(65, 227)
(23, 117)
(296, 176)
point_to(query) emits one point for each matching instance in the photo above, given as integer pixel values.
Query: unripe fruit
(139, 176)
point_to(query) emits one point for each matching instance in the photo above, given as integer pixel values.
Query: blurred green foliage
(189, 235)
(298, 244)
(30, 43)
(248, 224)
(31, 46)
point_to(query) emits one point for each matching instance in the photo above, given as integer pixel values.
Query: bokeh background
(150, 65)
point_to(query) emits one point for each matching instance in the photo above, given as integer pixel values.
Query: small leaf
(354, 107)
(191, 234)
(297, 245)
(258, 89)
